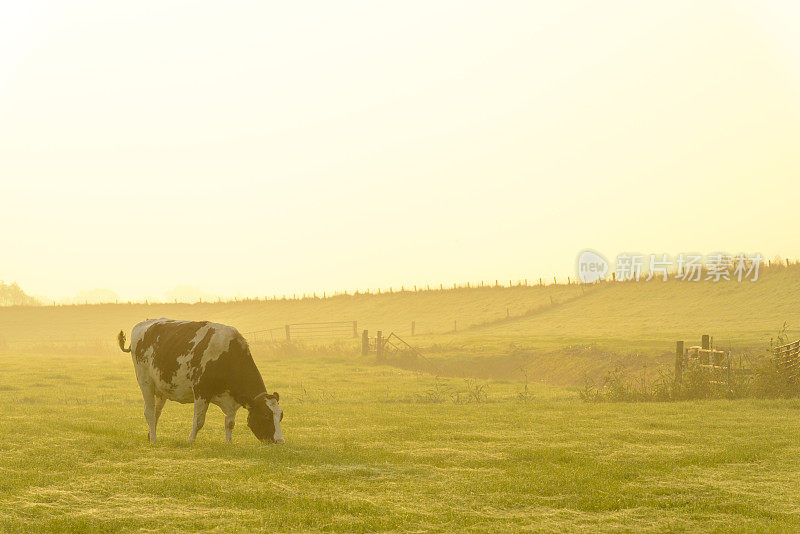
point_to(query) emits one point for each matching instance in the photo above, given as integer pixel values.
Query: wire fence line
(268, 335)
(305, 331)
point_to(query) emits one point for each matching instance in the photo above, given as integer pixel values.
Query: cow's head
(264, 419)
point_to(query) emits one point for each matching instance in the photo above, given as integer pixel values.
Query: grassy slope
(433, 311)
(364, 452)
(636, 315)
(633, 324)
(649, 315)
(587, 330)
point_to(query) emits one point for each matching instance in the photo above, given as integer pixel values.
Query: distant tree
(13, 295)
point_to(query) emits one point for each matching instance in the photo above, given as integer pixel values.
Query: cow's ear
(277, 397)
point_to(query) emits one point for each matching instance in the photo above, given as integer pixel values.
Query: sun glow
(255, 149)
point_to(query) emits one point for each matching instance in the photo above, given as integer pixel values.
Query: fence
(787, 359)
(717, 364)
(269, 335)
(305, 331)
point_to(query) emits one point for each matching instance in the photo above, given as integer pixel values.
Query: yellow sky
(255, 148)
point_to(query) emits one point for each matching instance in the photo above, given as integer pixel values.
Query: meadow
(479, 446)
(371, 447)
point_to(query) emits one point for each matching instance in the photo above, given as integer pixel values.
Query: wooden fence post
(705, 342)
(355, 329)
(413, 327)
(678, 362)
(364, 342)
(288, 333)
(379, 345)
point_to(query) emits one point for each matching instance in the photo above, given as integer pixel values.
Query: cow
(201, 362)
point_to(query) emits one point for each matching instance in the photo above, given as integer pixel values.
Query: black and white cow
(201, 362)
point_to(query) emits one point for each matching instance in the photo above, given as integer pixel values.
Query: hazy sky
(255, 148)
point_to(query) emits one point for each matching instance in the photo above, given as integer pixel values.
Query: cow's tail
(121, 339)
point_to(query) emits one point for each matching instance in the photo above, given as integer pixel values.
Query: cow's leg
(200, 409)
(160, 401)
(150, 414)
(230, 422)
(149, 396)
(229, 407)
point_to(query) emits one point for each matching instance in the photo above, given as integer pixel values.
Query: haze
(267, 148)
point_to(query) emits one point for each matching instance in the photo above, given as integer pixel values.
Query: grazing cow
(201, 362)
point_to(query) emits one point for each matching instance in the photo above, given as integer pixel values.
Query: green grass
(367, 450)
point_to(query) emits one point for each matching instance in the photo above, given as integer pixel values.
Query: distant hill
(13, 295)
(433, 311)
(633, 324)
(628, 316)
(650, 316)
(561, 332)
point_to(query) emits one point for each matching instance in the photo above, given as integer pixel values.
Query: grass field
(376, 448)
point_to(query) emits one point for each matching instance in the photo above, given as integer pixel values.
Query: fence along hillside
(433, 311)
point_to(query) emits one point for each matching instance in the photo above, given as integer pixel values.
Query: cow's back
(174, 354)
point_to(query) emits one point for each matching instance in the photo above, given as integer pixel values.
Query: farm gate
(393, 346)
(718, 365)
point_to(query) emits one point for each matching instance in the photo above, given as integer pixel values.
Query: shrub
(770, 383)
(619, 386)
